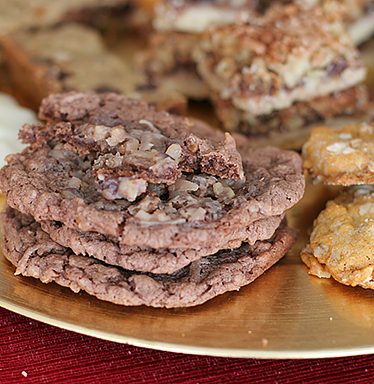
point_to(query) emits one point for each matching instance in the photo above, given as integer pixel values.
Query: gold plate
(284, 314)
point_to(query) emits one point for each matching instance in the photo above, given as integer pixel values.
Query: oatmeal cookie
(342, 242)
(342, 156)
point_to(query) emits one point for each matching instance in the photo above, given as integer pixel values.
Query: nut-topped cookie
(178, 26)
(131, 139)
(357, 15)
(55, 184)
(342, 156)
(295, 55)
(134, 206)
(341, 244)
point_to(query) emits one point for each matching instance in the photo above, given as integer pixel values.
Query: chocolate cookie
(198, 211)
(130, 138)
(34, 254)
(164, 260)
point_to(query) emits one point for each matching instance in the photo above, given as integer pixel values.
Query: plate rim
(250, 353)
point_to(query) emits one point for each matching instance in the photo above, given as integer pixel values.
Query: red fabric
(51, 355)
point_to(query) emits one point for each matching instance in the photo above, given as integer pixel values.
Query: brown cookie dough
(34, 254)
(342, 156)
(342, 242)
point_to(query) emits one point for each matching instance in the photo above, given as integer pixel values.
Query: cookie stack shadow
(136, 207)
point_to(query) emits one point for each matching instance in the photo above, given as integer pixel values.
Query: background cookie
(343, 156)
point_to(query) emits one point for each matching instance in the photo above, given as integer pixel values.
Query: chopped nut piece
(174, 151)
(222, 191)
(130, 189)
(194, 214)
(123, 188)
(149, 124)
(101, 132)
(182, 185)
(117, 136)
(74, 182)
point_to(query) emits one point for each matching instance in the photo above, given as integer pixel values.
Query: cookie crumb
(265, 342)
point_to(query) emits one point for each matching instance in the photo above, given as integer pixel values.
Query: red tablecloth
(32, 352)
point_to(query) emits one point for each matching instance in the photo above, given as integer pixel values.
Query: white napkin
(12, 117)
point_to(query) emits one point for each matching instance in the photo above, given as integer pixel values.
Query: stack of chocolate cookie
(134, 207)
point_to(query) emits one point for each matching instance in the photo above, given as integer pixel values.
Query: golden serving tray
(283, 314)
